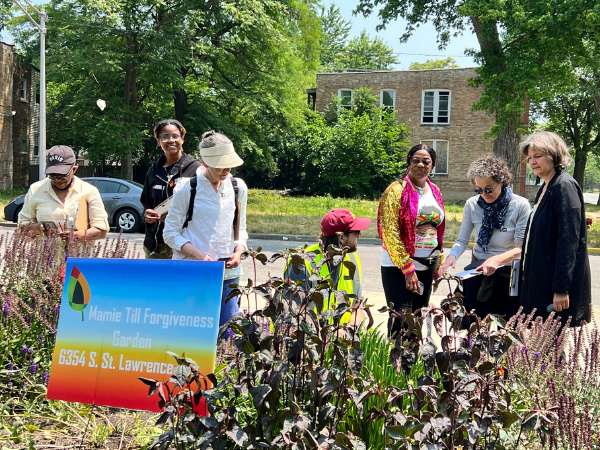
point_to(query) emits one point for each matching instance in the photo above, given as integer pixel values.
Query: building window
(436, 107)
(387, 98)
(345, 96)
(23, 90)
(441, 152)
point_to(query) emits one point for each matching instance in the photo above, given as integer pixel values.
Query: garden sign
(120, 317)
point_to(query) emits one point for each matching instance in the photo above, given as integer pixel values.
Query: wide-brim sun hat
(221, 156)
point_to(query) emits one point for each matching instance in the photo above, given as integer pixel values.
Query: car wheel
(127, 221)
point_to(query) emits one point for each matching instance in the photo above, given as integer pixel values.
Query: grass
(270, 212)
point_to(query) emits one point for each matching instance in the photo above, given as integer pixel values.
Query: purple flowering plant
(31, 283)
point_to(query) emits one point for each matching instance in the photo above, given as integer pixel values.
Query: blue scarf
(493, 216)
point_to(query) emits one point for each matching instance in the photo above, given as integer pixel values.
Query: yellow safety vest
(346, 282)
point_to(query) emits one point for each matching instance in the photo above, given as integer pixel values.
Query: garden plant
(298, 375)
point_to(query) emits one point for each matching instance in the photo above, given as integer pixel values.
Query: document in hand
(163, 207)
(466, 274)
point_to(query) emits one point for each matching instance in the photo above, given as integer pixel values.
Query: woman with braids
(411, 222)
(499, 219)
(555, 268)
(160, 181)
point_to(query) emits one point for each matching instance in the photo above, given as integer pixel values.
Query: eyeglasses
(167, 137)
(425, 162)
(486, 190)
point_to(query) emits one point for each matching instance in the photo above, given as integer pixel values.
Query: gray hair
(490, 166)
(211, 139)
(550, 144)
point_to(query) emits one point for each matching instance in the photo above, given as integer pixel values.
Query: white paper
(465, 274)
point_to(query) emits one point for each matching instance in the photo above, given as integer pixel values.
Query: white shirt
(211, 228)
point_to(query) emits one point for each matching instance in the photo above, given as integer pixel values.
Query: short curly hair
(490, 166)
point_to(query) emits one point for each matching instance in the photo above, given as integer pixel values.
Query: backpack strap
(190, 210)
(236, 215)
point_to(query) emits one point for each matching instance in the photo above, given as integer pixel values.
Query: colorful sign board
(119, 317)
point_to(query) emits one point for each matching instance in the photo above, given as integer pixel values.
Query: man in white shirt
(207, 215)
(60, 199)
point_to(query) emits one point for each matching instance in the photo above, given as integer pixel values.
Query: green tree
(335, 32)
(237, 66)
(523, 50)
(444, 63)
(356, 154)
(364, 53)
(575, 114)
(5, 8)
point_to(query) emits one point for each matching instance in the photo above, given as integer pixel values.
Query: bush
(356, 154)
(297, 376)
(557, 370)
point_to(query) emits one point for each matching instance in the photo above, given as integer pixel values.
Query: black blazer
(555, 252)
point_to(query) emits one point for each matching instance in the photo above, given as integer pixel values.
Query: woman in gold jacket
(411, 222)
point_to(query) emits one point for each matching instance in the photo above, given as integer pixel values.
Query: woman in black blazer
(555, 270)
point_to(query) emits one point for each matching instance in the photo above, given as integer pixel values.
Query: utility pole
(41, 26)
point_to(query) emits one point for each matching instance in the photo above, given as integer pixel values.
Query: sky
(419, 48)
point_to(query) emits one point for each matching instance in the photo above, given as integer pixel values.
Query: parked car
(121, 200)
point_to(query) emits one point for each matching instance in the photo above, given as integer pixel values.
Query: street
(369, 256)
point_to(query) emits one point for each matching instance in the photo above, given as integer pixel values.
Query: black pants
(394, 287)
(490, 295)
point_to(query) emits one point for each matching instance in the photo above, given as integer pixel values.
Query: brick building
(19, 119)
(437, 107)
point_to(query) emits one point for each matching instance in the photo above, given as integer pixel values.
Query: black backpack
(190, 211)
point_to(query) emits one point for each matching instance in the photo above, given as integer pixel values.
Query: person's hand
(31, 230)
(489, 266)
(412, 282)
(450, 262)
(151, 216)
(204, 257)
(234, 261)
(560, 302)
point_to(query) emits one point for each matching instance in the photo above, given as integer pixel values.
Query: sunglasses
(485, 190)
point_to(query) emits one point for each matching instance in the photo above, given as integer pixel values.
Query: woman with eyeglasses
(411, 221)
(555, 269)
(160, 182)
(54, 205)
(499, 218)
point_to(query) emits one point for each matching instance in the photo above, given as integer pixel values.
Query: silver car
(121, 200)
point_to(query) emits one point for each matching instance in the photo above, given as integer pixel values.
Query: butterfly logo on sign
(78, 291)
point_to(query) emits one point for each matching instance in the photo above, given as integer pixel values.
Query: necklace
(420, 190)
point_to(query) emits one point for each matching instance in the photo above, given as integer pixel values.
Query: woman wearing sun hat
(207, 216)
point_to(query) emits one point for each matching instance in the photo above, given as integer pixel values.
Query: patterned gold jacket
(396, 221)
